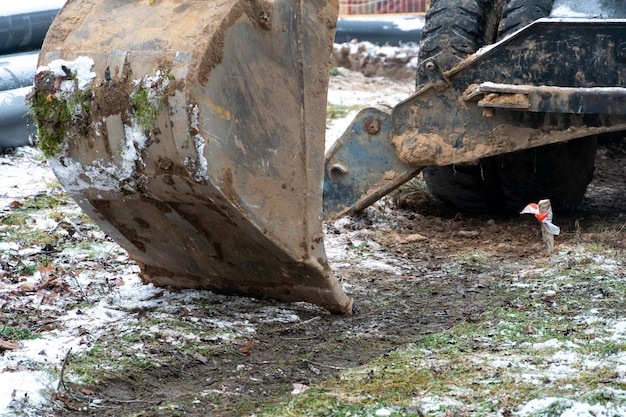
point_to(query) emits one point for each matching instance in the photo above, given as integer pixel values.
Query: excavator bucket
(193, 132)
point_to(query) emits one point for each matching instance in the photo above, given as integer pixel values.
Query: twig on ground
(65, 360)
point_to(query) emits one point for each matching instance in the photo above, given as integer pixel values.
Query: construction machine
(193, 132)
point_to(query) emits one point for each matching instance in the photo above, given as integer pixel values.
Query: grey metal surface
(16, 125)
(362, 165)
(17, 70)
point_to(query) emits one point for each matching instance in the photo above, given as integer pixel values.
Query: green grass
(17, 333)
(339, 111)
(145, 108)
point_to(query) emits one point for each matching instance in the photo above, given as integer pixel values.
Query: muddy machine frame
(194, 133)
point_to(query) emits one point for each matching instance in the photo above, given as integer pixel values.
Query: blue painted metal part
(362, 166)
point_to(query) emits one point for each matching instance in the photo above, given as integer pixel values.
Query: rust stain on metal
(390, 175)
(103, 207)
(517, 100)
(421, 149)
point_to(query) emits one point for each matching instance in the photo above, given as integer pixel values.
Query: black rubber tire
(452, 31)
(560, 172)
(518, 13)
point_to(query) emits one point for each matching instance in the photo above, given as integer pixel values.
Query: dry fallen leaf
(247, 348)
(27, 287)
(9, 344)
(199, 357)
(45, 269)
(415, 237)
(68, 403)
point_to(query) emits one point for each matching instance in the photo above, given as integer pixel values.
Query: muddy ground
(438, 285)
(410, 264)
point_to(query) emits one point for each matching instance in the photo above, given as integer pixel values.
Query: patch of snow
(201, 166)
(77, 177)
(587, 9)
(536, 406)
(570, 408)
(431, 404)
(383, 412)
(25, 388)
(552, 343)
(566, 11)
(374, 264)
(409, 23)
(80, 67)
(23, 175)
(135, 141)
(404, 23)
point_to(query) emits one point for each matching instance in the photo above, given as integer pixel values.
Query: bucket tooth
(195, 138)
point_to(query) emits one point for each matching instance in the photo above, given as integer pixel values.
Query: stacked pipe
(22, 30)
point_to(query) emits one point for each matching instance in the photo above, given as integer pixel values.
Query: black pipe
(380, 29)
(25, 31)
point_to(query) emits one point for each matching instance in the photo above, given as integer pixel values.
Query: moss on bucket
(60, 114)
(56, 114)
(145, 110)
(52, 115)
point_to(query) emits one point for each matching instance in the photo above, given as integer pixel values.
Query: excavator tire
(452, 32)
(518, 13)
(561, 171)
(504, 183)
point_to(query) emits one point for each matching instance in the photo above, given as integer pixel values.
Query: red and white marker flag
(544, 218)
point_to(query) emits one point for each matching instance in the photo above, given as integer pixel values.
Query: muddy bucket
(193, 134)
